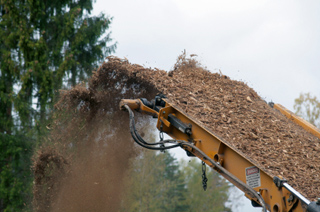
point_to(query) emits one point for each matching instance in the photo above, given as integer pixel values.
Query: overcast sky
(274, 46)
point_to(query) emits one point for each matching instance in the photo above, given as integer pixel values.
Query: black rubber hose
(145, 142)
(136, 137)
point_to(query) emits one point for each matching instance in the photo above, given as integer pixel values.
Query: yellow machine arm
(270, 193)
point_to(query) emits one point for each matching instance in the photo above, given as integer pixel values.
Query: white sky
(272, 45)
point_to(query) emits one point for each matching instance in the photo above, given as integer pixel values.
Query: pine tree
(44, 45)
(157, 184)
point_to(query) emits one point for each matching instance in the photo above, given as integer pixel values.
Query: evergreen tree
(44, 45)
(157, 184)
(215, 197)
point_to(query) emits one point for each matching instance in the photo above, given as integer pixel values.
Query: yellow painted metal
(298, 120)
(136, 104)
(221, 151)
(232, 160)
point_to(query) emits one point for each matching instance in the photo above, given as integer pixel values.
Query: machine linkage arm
(271, 193)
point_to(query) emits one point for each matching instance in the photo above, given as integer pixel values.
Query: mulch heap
(233, 111)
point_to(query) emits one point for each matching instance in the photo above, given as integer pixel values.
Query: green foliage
(159, 183)
(216, 195)
(156, 184)
(308, 107)
(15, 187)
(44, 45)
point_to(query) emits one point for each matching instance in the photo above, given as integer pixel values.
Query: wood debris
(235, 112)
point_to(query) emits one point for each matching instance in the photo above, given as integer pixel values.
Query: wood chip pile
(235, 112)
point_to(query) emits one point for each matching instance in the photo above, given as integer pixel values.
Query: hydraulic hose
(139, 140)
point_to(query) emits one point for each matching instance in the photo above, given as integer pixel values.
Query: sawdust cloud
(82, 165)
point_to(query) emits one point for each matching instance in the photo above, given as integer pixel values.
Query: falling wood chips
(234, 112)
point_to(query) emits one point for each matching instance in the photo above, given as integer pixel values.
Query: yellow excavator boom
(272, 193)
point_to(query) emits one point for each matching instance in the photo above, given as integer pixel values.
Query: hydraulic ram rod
(297, 194)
